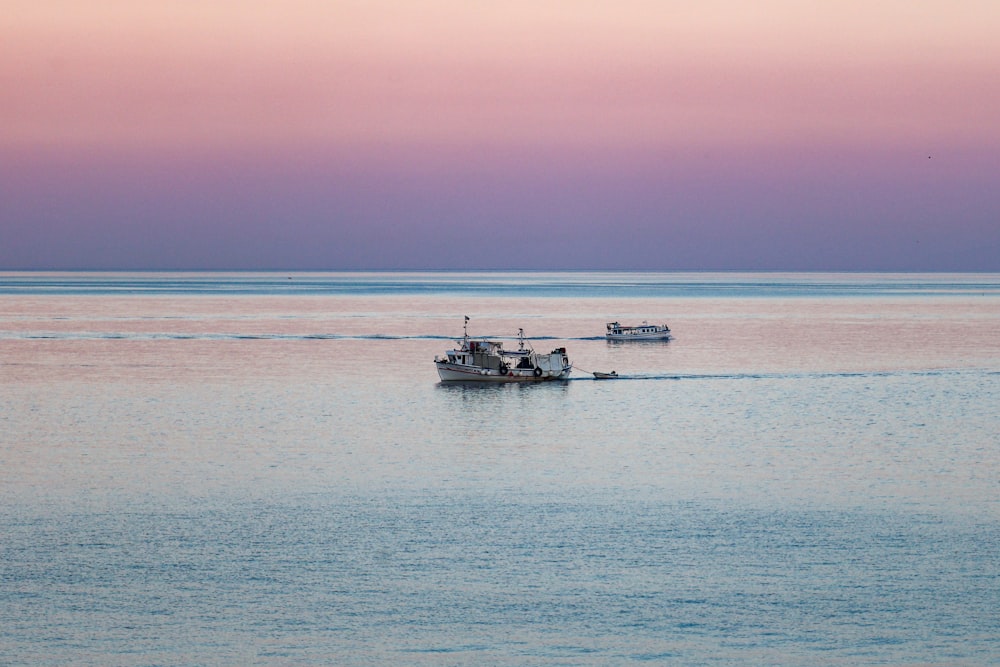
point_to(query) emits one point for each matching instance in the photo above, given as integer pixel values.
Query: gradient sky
(654, 135)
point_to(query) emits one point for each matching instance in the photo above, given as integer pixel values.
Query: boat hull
(459, 373)
(665, 335)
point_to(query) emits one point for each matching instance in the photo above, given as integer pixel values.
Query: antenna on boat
(465, 329)
(520, 339)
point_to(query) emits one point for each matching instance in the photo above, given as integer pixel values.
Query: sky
(469, 134)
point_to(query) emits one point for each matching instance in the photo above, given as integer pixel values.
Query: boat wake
(171, 335)
(938, 372)
(189, 335)
(161, 335)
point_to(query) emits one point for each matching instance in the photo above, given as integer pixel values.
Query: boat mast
(520, 340)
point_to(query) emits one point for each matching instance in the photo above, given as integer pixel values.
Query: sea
(264, 469)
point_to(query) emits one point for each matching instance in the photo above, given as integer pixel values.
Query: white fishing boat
(486, 361)
(644, 331)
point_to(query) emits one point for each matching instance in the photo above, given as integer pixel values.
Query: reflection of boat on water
(487, 361)
(644, 331)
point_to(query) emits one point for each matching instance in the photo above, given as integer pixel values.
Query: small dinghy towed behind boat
(598, 375)
(487, 361)
(644, 331)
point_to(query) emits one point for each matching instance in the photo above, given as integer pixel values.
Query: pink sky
(686, 123)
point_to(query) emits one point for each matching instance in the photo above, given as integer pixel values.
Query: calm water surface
(232, 469)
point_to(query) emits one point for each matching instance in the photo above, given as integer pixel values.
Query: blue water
(570, 284)
(232, 469)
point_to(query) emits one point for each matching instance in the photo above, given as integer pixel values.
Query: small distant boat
(487, 361)
(598, 375)
(644, 331)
